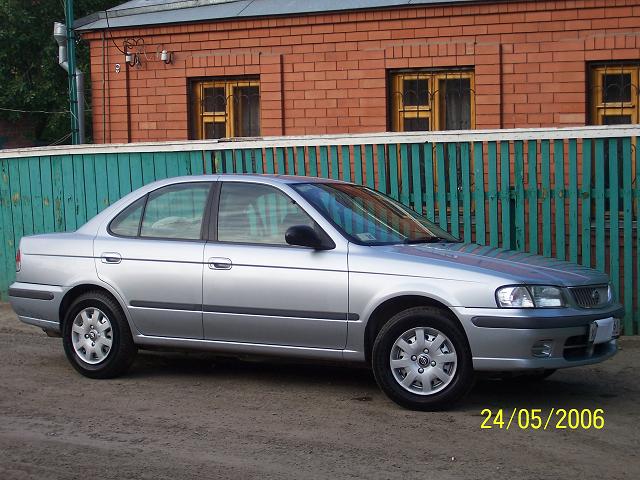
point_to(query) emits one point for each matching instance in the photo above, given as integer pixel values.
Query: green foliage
(29, 71)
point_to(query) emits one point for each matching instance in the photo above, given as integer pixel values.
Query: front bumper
(504, 339)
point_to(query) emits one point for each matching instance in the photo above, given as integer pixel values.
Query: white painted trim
(328, 140)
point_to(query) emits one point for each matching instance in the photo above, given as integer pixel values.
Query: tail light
(18, 260)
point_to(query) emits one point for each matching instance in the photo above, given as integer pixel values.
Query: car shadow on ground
(572, 388)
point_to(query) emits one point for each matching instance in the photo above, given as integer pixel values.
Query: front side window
(367, 217)
(251, 213)
(172, 212)
(226, 108)
(432, 100)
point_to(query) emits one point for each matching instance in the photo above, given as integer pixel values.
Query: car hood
(519, 266)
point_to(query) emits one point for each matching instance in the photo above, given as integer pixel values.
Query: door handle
(219, 263)
(111, 257)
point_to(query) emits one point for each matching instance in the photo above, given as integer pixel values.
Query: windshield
(368, 217)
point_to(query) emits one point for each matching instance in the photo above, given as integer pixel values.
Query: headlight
(529, 296)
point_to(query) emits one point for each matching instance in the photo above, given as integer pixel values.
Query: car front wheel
(421, 359)
(96, 337)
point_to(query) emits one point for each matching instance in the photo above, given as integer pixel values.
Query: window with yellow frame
(615, 94)
(432, 100)
(226, 108)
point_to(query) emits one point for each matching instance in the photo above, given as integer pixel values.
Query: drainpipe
(60, 35)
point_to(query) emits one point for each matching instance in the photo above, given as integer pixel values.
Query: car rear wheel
(96, 337)
(421, 360)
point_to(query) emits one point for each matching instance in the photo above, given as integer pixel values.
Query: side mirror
(305, 236)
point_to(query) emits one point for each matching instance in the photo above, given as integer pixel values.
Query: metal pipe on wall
(60, 36)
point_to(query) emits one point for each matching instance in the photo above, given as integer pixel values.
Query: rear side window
(172, 212)
(175, 212)
(127, 223)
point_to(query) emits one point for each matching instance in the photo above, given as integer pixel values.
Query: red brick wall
(327, 73)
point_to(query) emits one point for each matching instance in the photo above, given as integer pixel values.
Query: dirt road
(179, 416)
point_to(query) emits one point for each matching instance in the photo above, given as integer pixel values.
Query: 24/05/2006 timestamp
(536, 419)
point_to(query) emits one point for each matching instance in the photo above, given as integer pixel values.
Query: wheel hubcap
(92, 335)
(423, 360)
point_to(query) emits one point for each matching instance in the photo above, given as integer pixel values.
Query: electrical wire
(60, 140)
(33, 111)
(106, 15)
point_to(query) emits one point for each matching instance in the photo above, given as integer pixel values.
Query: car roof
(253, 178)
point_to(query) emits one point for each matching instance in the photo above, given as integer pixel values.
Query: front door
(153, 255)
(257, 288)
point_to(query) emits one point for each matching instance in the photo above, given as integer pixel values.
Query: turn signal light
(18, 260)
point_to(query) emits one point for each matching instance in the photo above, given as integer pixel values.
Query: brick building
(187, 70)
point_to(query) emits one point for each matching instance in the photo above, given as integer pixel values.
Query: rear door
(152, 254)
(257, 288)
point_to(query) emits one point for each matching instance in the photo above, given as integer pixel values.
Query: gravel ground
(196, 416)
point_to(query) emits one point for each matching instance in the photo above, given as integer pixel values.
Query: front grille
(591, 297)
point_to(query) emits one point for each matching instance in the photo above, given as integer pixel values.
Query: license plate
(601, 331)
(617, 327)
(593, 330)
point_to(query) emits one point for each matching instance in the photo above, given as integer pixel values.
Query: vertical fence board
(518, 187)
(558, 197)
(301, 167)
(124, 173)
(429, 193)
(8, 247)
(113, 183)
(291, 165)
(382, 169)
(545, 174)
(532, 194)
(335, 162)
(573, 200)
(36, 194)
(393, 171)
(313, 162)
(478, 182)
(405, 187)
(614, 230)
(599, 199)
(369, 170)
(467, 214)
(148, 168)
(68, 193)
(441, 185)
(24, 198)
(324, 162)
(90, 189)
(454, 208)
(585, 195)
(79, 190)
(505, 197)
(357, 164)
(270, 162)
(47, 195)
(492, 170)
(637, 205)
(417, 178)
(346, 163)
(627, 240)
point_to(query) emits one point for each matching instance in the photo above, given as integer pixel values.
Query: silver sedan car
(308, 268)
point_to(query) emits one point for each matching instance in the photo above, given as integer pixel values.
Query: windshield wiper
(430, 239)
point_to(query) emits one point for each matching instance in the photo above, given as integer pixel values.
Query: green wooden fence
(567, 193)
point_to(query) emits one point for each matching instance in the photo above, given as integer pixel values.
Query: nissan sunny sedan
(308, 268)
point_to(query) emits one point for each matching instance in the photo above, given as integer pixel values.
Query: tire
(456, 370)
(96, 336)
